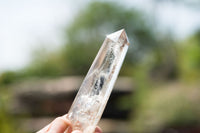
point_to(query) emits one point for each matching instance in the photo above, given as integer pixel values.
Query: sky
(28, 25)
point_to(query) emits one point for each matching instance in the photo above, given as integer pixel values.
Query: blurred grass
(170, 105)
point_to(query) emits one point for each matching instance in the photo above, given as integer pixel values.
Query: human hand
(60, 125)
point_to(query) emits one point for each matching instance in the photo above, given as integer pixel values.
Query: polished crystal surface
(96, 88)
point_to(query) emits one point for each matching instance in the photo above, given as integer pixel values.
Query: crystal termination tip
(118, 36)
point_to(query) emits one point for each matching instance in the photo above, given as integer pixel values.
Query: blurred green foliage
(158, 64)
(189, 58)
(8, 123)
(7, 78)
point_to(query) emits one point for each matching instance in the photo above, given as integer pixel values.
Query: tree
(88, 30)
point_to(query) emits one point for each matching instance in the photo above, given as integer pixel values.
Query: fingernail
(76, 131)
(58, 126)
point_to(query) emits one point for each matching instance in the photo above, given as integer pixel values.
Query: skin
(60, 125)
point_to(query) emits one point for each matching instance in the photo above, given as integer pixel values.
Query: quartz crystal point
(96, 88)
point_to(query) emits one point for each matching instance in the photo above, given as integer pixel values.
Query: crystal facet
(96, 88)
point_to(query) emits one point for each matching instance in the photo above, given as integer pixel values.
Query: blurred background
(47, 47)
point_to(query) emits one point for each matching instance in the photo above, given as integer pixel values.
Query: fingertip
(98, 130)
(67, 121)
(59, 125)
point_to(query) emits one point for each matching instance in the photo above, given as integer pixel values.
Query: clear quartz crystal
(95, 90)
